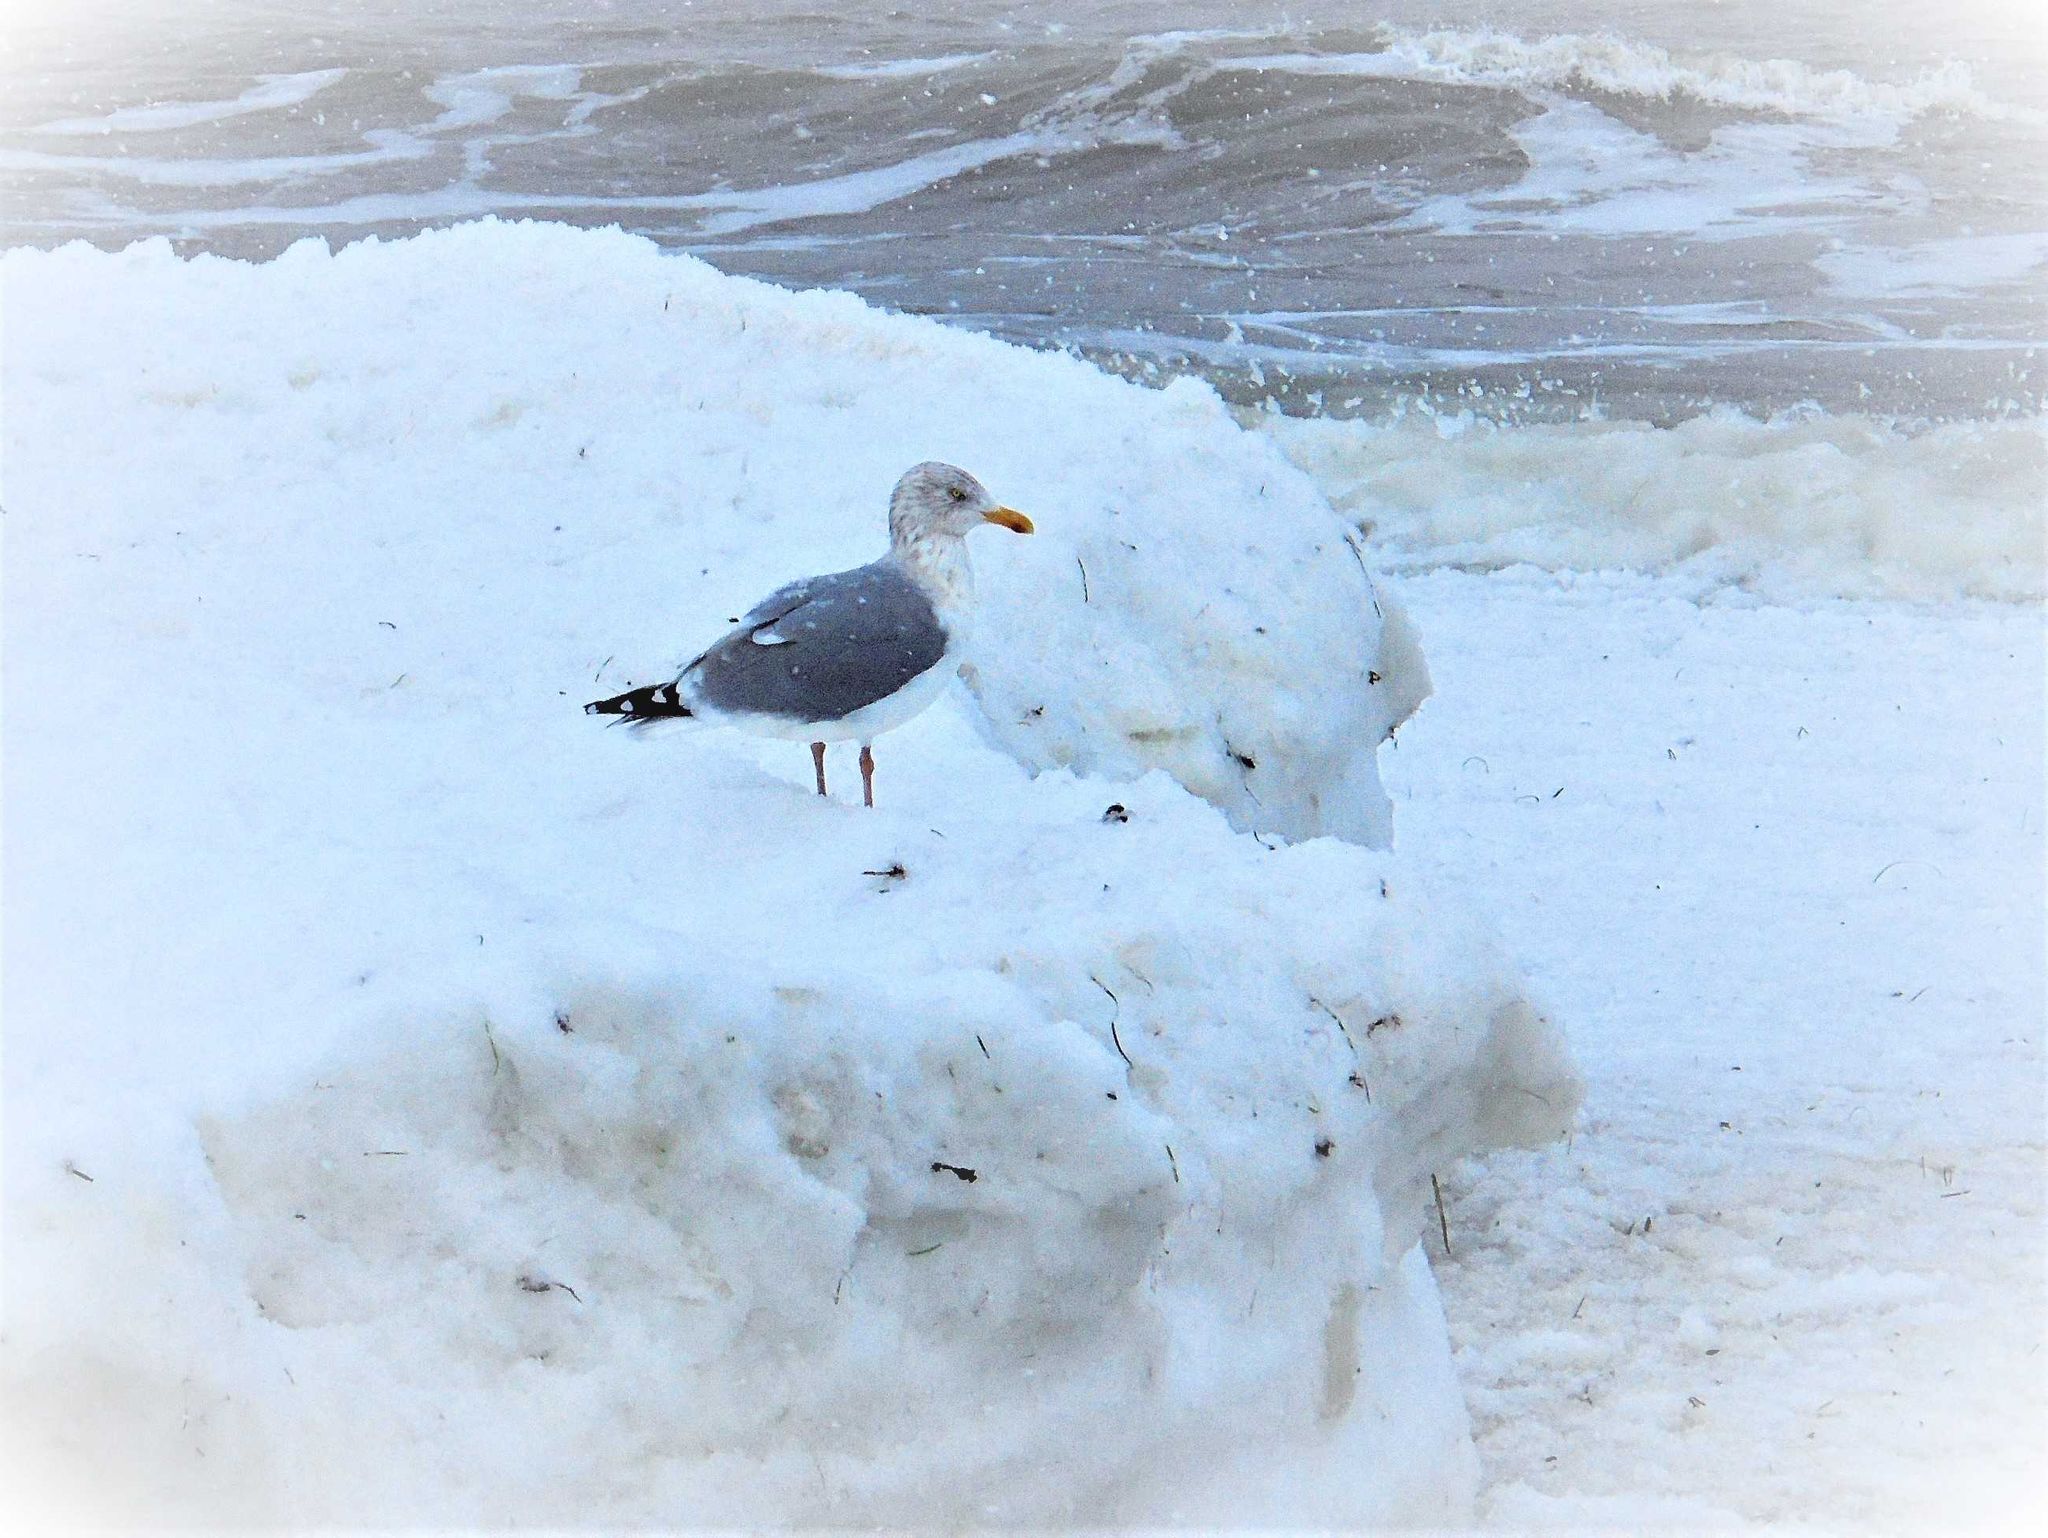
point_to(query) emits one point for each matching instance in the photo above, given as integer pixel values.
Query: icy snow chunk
(1189, 608)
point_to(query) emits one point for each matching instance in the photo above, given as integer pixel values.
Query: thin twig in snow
(1116, 1006)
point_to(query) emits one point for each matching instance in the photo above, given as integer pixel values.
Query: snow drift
(423, 1106)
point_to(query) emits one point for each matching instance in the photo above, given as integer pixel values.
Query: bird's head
(934, 499)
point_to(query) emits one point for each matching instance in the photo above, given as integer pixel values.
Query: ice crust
(423, 1106)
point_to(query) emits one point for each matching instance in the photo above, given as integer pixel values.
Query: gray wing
(820, 649)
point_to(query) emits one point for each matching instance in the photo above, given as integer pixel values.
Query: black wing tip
(639, 707)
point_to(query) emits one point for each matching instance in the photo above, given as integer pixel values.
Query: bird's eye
(956, 493)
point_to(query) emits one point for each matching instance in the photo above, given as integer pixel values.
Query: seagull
(846, 656)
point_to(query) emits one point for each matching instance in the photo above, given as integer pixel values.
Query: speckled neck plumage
(939, 564)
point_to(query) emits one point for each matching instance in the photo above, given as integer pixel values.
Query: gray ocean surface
(1536, 211)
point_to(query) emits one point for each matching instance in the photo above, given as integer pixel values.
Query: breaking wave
(1622, 67)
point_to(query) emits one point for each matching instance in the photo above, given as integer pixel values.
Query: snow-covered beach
(424, 1107)
(1780, 866)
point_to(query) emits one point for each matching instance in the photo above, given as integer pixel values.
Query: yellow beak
(1010, 519)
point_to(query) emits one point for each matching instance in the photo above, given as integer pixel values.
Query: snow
(424, 1106)
(664, 1212)
(1805, 844)
(622, 395)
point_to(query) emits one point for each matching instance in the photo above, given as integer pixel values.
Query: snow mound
(425, 1106)
(1190, 603)
(858, 1198)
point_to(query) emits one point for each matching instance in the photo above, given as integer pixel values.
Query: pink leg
(867, 775)
(818, 763)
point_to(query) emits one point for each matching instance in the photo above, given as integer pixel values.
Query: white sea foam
(723, 212)
(1955, 265)
(1484, 56)
(387, 146)
(482, 96)
(1588, 172)
(857, 192)
(1797, 508)
(270, 93)
(1592, 174)
(899, 69)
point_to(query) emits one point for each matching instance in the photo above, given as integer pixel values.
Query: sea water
(1537, 210)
